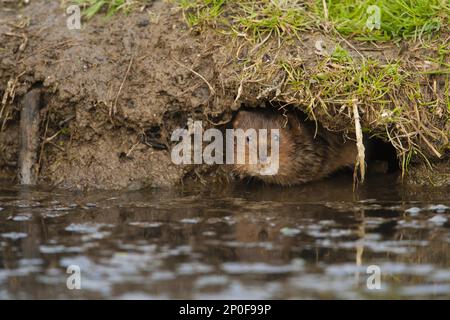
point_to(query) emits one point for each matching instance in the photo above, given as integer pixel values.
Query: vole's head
(267, 147)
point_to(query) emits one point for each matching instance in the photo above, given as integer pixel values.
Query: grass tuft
(398, 19)
(93, 7)
(199, 12)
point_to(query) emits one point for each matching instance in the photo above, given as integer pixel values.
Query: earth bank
(116, 89)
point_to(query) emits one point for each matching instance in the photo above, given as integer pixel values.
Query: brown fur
(303, 157)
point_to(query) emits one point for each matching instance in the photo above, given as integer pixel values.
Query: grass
(259, 18)
(338, 80)
(398, 19)
(255, 19)
(110, 7)
(198, 12)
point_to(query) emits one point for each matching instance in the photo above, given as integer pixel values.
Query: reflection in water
(314, 241)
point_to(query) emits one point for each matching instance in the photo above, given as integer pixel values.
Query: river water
(235, 242)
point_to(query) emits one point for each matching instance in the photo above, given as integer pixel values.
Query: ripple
(289, 232)
(14, 235)
(207, 281)
(261, 267)
(414, 211)
(53, 249)
(54, 214)
(438, 219)
(193, 268)
(440, 208)
(190, 220)
(145, 224)
(22, 217)
(427, 289)
(85, 227)
(163, 276)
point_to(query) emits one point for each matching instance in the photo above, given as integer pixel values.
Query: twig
(132, 149)
(112, 111)
(261, 43)
(239, 93)
(325, 9)
(41, 153)
(213, 92)
(360, 161)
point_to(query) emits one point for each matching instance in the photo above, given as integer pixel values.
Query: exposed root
(113, 109)
(361, 158)
(211, 88)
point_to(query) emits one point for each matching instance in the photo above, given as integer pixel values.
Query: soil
(109, 89)
(115, 90)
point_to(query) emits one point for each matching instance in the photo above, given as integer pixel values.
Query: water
(315, 241)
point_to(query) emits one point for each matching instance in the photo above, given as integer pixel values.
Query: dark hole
(381, 152)
(263, 235)
(153, 138)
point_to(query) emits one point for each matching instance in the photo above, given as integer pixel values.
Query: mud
(116, 89)
(109, 88)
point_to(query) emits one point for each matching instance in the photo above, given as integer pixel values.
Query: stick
(360, 160)
(29, 137)
(113, 109)
(211, 89)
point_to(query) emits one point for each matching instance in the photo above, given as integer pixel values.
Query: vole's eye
(249, 138)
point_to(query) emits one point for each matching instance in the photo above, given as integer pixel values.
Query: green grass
(255, 19)
(399, 18)
(341, 55)
(205, 11)
(259, 18)
(93, 7)
(339, 83)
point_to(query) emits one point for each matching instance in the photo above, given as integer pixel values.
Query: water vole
(303, 155)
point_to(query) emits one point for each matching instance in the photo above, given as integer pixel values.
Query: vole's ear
(296, 125)
(240, 117)
(236, 119)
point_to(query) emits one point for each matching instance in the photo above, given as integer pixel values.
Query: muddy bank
(109, 88)
(115, 90)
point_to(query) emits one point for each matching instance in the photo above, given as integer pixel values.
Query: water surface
(238, 242)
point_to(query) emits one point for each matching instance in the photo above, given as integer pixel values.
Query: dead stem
(360, 161)
(213, 92)
(113, 110)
